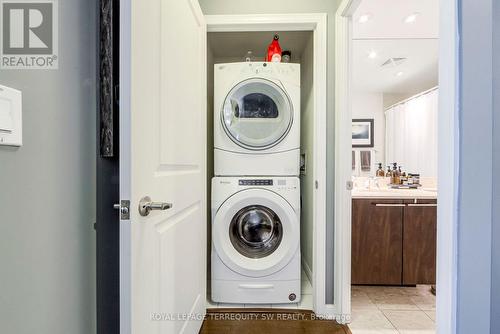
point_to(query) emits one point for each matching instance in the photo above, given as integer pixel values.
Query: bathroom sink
(394, 193)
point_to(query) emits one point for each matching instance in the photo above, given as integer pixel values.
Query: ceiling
(419, 71)
(236, 44)
(386, 35)
(387, 19)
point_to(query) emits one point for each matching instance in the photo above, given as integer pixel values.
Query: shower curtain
(411, 134)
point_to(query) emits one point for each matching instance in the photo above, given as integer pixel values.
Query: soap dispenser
(380, 170)
(388, 173)
(395, 174)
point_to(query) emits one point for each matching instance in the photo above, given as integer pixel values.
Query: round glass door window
(257, 114)
(255, 231)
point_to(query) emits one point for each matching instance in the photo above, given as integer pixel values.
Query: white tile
(394, 303)
(431, 314)
(427, 303)
(413, 322)
(370, 322)
(361, 301)
(306, 302)
(373, 331)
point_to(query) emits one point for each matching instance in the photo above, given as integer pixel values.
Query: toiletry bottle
(274, 50)
(395, 174)
(400, 172)
(388, 173)
(402, 177)
(380, 170)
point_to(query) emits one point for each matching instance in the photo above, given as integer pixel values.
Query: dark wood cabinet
(377, 233)
(393, 242)
(419, 240)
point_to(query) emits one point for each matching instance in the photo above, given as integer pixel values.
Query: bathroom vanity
(394, 237)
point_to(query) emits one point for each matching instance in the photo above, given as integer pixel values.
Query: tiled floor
(392, 310)
(305, 303)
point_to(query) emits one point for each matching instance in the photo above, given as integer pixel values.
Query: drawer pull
(424, 204)
(389, 205)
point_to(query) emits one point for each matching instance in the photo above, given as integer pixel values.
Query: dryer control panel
(256, 182)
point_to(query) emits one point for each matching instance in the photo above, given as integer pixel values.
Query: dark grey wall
(47, 190)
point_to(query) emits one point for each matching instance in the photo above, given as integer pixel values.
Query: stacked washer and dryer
(256, 189)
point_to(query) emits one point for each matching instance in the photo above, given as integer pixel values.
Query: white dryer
(256, 119)
(255, 240)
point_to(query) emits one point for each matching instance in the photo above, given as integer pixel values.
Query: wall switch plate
(11, 124)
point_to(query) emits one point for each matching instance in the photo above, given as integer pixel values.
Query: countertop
(383, 192)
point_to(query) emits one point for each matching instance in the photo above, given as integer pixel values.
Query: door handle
(424, 204)
(146, 206)
(389, 205)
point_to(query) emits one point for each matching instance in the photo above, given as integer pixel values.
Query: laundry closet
(259, 164)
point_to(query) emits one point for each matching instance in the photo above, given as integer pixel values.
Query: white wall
(371, 105)
(393, 98)
(47, 189)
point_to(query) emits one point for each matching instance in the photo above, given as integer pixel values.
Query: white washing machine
(255, 240)
(256, 119)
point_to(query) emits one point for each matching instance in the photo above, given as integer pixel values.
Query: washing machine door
(257, 114)
(256, 232)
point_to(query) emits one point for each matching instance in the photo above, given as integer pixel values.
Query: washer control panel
(256, 182)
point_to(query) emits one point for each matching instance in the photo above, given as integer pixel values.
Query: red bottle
(274, 50)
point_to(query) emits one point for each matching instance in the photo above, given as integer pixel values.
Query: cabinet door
(377, 241)
(419, 240)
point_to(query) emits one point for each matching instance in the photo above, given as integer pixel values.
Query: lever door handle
(146, 206)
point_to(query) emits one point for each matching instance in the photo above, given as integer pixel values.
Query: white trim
(317, 23)
(262, 22)
(319, 156)
(448, 162)
(448, 155)
(125, 164)
(343, 147)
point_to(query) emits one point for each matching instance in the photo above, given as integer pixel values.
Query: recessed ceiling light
(364, 18)
(400, 73)
(393, 62)
(372, 54)
(411, 18)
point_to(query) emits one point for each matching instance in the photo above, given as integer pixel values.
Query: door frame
(448, 157)
(317, 23)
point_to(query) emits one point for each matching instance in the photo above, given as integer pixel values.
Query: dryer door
(257, 114)
(256, 232)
